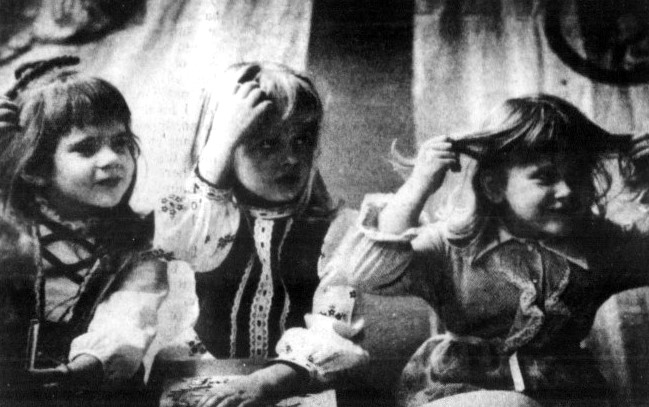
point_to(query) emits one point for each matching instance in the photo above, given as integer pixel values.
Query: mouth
(566, 210)
(110, 182)
(289, 179)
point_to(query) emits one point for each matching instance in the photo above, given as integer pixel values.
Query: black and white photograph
(324, 203)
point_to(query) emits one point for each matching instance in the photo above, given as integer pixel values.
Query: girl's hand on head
(240, 113)
(8, 115)
(436, 156)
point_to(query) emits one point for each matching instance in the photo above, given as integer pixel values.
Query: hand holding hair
(435, 157)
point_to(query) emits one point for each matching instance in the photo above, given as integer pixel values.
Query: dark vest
(294, 274)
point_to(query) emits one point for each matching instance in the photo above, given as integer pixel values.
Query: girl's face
(275, 166)
(93, 168)
(546, 198)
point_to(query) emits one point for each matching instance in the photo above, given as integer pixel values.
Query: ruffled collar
(496, 234)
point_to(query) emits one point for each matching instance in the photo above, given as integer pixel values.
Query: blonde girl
(252, 225)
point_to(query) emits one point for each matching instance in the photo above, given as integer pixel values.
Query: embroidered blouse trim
(287, 299)
(237, 304)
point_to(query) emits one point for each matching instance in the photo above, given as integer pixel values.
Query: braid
(31, 71)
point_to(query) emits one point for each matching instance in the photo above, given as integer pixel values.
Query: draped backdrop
(162, 60)
(389, 69)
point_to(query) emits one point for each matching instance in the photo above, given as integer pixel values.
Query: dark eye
(121, 143)
(86, 148)
(304, 142)
(547, 177)
(268, 144)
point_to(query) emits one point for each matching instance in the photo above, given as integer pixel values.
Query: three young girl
(516, 277)
(79, 290)
(517, 274)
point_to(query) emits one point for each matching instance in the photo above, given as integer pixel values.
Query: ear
(35, 180)
(492, 187)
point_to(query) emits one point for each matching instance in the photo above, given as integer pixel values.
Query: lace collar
(279, 212)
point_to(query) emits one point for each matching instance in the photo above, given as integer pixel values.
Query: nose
(290, 156)
(107, 157)
(562, 189)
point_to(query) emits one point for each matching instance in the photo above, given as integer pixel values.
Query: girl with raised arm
(517, 273)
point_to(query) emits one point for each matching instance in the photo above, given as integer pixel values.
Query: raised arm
(434, 159)
(239, 114)
(379, 248)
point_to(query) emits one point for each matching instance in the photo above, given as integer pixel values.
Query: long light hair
(520, 131)
(294, 98)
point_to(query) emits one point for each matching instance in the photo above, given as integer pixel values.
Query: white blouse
(200, 228)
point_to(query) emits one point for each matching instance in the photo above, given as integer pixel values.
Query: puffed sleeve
(124, 325)
(199, 226)
(325, 348)
(365, 257)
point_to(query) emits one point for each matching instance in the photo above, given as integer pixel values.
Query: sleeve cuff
(120, 333)
(324, 355)
(119, 362)
(198, 184)
(371, 207)
(325, 350)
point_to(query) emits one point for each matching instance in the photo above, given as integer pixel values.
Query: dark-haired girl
(517, 273)
(79, 292)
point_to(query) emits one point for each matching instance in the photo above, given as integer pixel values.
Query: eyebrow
(82, 140)
(95, 139)
(543, 167)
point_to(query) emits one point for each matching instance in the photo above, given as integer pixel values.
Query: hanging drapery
(470, 55)
(163, 57)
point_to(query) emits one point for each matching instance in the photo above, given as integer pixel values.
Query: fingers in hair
(249, 73)
(246, 88)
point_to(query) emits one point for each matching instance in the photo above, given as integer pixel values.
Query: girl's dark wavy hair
(53, 99)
